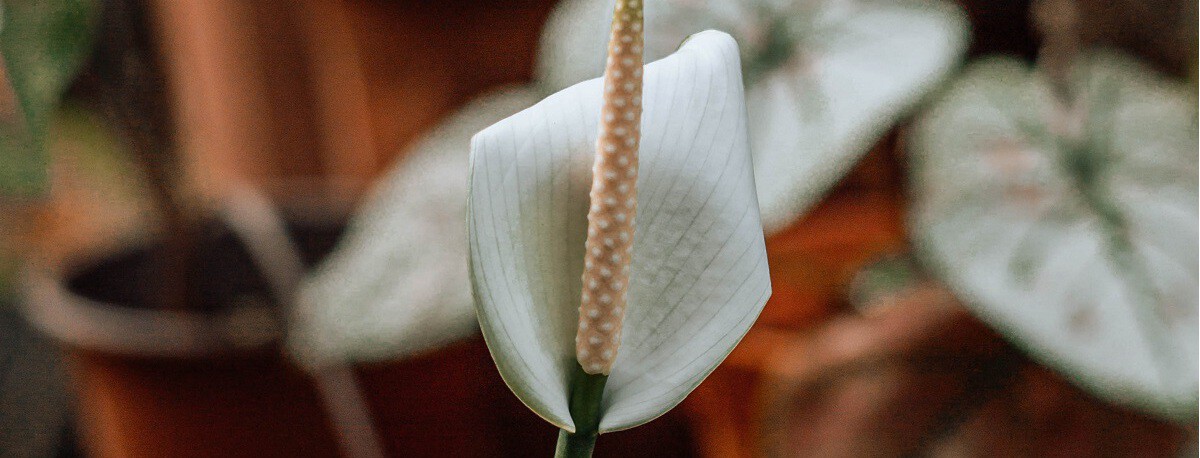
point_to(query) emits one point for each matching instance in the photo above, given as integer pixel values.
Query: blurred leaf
(99, 197)
(44, 43)
(397, 283)
(698, 273)
(882, 280)
(1074, 232)
(824, 79)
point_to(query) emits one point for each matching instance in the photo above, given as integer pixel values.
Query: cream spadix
(697, 274)
(613, 196)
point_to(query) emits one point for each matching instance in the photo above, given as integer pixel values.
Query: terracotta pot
(206, 381)
(329, 90)
(211, 380)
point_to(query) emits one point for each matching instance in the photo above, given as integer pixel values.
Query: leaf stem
(587, 390)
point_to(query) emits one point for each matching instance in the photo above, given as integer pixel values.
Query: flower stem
(587, 391)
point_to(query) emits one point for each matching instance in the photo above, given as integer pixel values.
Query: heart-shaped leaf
(698, 277)
(1082, 251)
(825, 79)
(397, 284)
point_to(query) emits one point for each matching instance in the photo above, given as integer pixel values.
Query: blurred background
(170, 167)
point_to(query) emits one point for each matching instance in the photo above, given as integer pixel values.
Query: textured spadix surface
(1088, 258)
(397, 284)
(698, 277)
(824, 79)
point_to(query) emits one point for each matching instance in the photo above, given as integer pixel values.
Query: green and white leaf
(397, 284)
(825, 79)
(1084, 253)
(44, 43)
(698, 277)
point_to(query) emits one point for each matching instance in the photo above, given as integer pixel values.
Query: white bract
(1086, 256)
(698, 277)
(824, 79)
(397, 284)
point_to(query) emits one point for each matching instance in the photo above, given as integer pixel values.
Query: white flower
(698, 277)
(825, 79)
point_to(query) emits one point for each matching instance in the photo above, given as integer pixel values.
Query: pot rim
(78, 321)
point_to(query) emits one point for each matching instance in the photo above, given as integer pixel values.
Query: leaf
(826, 79)
(44, 43)
(397, 284)
(698, 277)
(1084, 253)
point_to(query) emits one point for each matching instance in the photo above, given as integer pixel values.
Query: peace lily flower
(1071, 229)
(397, 284)
(616, 262)
(825, 79)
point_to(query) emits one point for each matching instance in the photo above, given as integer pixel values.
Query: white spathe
(1087, 259)
(397, 284)
(829, 77)
(699, 275)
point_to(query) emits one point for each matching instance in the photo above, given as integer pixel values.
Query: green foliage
(96, 162)
(44, 43)
(882, 279)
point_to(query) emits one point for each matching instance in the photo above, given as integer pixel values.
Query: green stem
(574, 445)
(587, 390)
